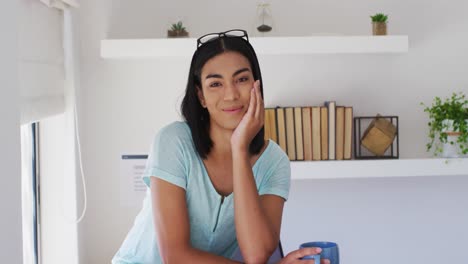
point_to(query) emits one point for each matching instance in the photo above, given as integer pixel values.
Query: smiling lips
(233, 110)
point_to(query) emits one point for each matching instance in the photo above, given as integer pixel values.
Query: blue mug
(329, 251)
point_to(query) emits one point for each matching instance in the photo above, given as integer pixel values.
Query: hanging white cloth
(61, 4)
(41, 58)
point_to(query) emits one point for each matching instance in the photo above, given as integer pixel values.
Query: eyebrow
(215, 75)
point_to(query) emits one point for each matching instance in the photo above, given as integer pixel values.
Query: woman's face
(226, 83)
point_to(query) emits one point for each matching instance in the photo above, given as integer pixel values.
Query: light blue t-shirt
(173, 158)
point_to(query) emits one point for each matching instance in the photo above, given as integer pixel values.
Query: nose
(231, 92)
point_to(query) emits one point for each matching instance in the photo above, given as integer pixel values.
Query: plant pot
(177, 34)
(450, 150)
(379, 28)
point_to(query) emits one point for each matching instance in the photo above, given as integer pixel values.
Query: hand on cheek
(252, 121)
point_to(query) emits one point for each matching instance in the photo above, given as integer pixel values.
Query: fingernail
(319, 250)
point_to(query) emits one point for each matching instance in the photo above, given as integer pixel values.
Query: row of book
(312, 132)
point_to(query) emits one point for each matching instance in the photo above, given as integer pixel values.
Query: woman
(215, 184)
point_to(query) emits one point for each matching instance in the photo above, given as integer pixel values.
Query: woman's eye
(243, 79)
(215, 84)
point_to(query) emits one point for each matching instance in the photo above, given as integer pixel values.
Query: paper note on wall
(132, 187)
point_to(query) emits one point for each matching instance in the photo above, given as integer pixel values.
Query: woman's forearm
(255, 235)
(196, 256)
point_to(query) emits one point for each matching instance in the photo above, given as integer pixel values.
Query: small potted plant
(448, 126)
(177, 30)
(379, 24)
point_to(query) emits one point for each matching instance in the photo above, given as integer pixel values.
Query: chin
(229, 124)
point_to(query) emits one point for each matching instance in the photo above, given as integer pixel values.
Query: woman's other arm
(258, 219)
(172, 226)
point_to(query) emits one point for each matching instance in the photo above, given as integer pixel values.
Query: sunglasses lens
(208, 38)
(235, 33)
(232, 33)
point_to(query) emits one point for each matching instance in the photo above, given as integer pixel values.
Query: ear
(201, 97)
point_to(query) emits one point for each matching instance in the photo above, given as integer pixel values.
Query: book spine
(316, 141)
(339, 133)
(324, 132)
(281, 128)
(348, 133)
(331, 105)
(298, 133)
(290, 134)
(307, 132)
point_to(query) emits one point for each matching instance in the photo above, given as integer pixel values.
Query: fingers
(300, 253)
(259, 111)
(308, 251)
(303, 261)
(297, 255)
(253, 102)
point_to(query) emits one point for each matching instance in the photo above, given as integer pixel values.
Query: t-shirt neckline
(205, 171)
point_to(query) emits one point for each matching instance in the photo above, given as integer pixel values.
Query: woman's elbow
(260, 253)
(168, 258)
(173, 259)
(173, 256)
(256, 259)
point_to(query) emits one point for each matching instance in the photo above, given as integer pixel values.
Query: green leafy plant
(379, 17)
(178, 27)
(454, 108)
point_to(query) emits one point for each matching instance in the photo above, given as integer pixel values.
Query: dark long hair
(198, 117)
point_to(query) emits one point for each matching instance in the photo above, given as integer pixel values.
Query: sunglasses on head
(234, 33)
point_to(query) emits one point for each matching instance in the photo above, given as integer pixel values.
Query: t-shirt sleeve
(166, 158)
(277, 179)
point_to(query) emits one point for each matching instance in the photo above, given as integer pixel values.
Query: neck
(221, 142)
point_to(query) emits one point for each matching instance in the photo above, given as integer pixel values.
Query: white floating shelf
(185, 47)
(307, 170)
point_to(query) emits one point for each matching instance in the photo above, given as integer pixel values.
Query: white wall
(10, 146)
(123, 103)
